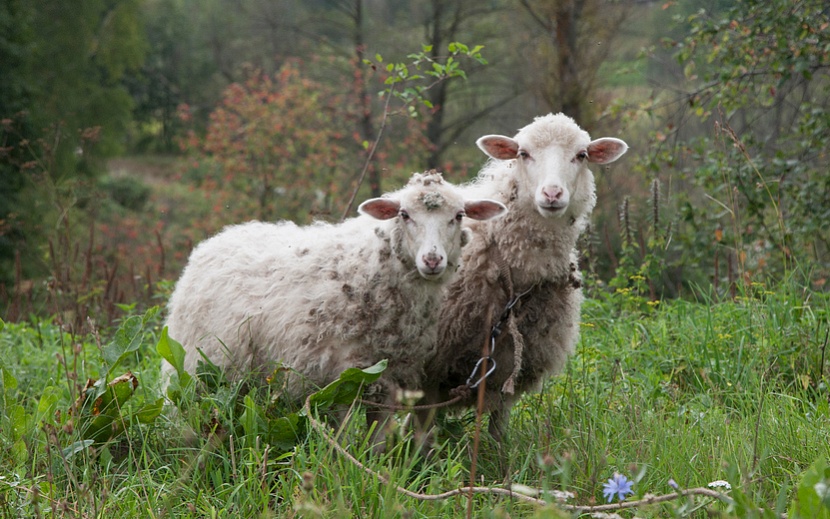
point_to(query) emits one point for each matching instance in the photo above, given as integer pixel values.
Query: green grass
(685, 391)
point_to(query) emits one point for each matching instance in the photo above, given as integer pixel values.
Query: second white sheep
(528, 257)
(324, 297)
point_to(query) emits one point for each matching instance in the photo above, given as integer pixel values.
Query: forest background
(133, 129)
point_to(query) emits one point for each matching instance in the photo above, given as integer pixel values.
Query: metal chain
(495, 332)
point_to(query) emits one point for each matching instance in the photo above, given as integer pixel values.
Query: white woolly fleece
(538, 253)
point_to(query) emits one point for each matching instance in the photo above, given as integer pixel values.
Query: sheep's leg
(425, 426)
(381, 417)
(499, 420)
(381, 420)
(426, 417)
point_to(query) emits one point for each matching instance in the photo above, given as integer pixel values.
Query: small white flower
(561, 496)
(720, 484)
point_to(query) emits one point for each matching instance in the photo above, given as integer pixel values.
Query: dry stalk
(467, 491)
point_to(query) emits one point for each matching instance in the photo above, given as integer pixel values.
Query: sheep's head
(551, 159)
(428, 229)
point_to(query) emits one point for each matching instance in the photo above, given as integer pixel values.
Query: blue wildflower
(619, 485)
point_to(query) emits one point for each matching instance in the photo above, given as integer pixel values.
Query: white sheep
(325, 297)
(541, 174)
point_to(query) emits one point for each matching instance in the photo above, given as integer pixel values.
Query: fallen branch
(647, 500)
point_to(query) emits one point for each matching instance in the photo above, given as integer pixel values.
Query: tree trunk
(367, 126)
(566, 20)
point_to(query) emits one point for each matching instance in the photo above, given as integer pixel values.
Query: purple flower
(619, 486)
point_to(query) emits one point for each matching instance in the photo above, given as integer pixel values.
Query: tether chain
(462, 392)
(494, 332)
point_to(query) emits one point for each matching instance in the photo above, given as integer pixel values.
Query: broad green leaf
(173, 352)
(101, 413)
(285, 432)
(127, 339)
(76, 447)
(47, 403)
(149, 412)
(346, 388)
(7, 379)
(812, 499)
(104, 457)
(19, 451)
(18, 420)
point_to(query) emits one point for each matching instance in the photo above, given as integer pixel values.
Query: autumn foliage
(283, 146)
(273, 144)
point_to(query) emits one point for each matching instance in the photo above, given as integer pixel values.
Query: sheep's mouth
(431, 276)
(552, 209)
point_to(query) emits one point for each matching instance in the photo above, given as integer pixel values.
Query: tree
(15, 97)
(738, 142)
(180, 68)
(760, 74)
(274, 147)
(576, 39)
(61, 84)
(449, 22)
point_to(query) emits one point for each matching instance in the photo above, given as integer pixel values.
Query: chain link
(495, 332)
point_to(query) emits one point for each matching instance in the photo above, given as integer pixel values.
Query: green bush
(128, 192)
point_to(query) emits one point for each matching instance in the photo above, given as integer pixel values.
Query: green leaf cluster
(262, 413)
(406, 79)
(742, 154)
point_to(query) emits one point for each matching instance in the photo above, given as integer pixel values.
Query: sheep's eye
(582, 155)
(523, 154)
(404, 215)
(459, 216)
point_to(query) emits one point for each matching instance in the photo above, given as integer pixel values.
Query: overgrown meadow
(699, 386)
(672, 396)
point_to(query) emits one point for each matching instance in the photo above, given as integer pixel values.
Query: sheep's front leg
(499, 421)
(382, 421)
(426, 417)
(381, 416)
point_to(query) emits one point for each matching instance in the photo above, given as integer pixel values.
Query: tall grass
(685, 392)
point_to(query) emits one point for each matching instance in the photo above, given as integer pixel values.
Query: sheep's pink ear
(380, 208)
(484, 209)
(499, 147)
(606, 150)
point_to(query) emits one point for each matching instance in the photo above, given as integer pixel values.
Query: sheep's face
(552, 154)
(429, 224)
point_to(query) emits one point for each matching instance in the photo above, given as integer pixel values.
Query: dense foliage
(63, 105)
(739, 158)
